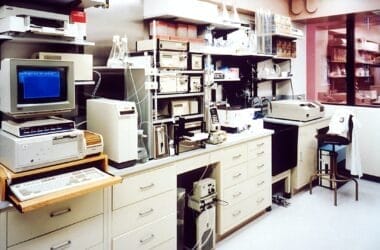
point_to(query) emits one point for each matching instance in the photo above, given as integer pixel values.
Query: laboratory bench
(141, 211)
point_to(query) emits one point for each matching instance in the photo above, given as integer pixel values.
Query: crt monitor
(36, 88)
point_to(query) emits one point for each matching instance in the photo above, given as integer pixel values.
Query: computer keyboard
(35, 188)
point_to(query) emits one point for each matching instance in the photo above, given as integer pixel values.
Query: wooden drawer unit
(259, 148)
(233, 176)
(149, 236)
(141, 213)
(22, 227)
(87, 234)
(236, 193)
(231, 156)
(143, 185)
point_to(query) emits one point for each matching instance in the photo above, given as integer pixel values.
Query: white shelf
(84, 83)
(215, 51)
(178, 95)
(275, 78)
(176, 72)
(56, 40)
(227, 80)
(285, 35)
(172, 119)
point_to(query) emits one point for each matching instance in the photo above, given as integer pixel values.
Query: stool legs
(333, 176)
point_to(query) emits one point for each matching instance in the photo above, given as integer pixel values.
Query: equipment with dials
(116, 121)
(151, 44)
(196, 61)
(297, 110)
(183, 107)
(172, 59)
(174, 84)
(202, 201)
(20, 20)
(195, 84)
(21, 154)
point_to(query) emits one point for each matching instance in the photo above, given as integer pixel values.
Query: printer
(298, 110)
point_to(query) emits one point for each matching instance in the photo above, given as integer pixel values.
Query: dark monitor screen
(41, 84)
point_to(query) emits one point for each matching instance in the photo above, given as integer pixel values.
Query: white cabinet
(144, 210)
(243, 178)
(307, 154)
(149, 236)
(85, 235)
(74, 224)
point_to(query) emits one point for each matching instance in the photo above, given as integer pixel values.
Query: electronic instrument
(298, 110)
(37, 127)
(25, 153)
(116, 121)
(36, 88)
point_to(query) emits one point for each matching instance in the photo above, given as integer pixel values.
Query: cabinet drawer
(141, 213)
(259, 148)
(231, 216)
(22, 227)
(260, 182)
(236, 193)
(233, 156)
(87, 234)
(262, 200)
(149, 236)
(234, 175)
(170, 244)
(258, 166)
(143, 185)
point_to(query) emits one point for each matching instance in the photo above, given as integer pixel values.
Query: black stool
(332, 174)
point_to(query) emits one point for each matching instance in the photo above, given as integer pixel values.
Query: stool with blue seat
(334, 143)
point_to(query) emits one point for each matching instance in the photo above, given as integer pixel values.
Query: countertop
(232, 139)
(295, 123)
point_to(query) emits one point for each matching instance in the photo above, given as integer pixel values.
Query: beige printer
(298, 110)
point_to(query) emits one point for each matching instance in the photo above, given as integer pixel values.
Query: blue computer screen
(38, 85)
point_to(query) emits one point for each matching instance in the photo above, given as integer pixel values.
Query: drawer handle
(143, 214)
(236, 156)
(147, 187)
(237, 175)
(236, 213)
(260, 153)
(61, 246)
(60, 212)
(260, 144)
(261, 166)
(147, 239)
(236, 195)
(261, 183)
(259, 201)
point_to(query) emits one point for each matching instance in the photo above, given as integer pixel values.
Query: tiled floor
(313, 222)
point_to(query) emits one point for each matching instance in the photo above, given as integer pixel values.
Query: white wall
(369, 136)
(123, 17)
